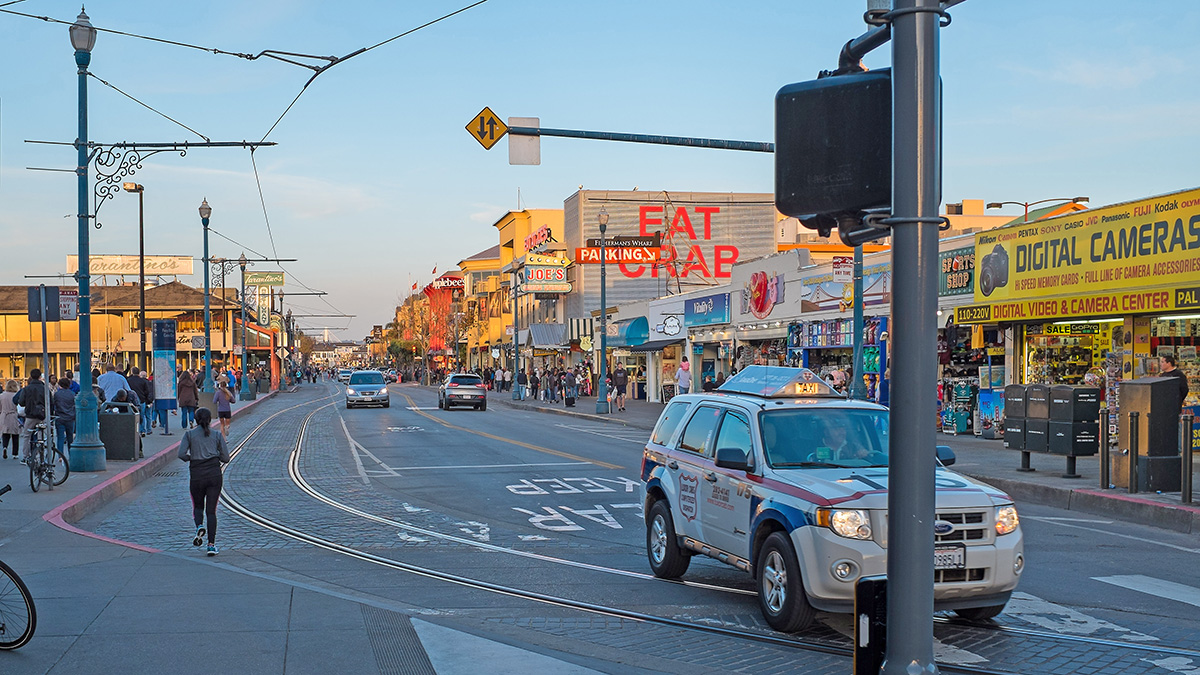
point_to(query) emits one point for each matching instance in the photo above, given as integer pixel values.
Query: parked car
(367, 387)
(462, 389)
(782, 477)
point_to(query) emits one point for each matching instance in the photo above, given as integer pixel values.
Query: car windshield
(825, 438)
(366, 378)
(466, 380)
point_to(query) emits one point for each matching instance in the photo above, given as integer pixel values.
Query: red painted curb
(90, 500)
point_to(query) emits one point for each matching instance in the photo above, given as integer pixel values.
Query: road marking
(484, 466)
(530, 446)
(1054, 519)
(1064, 620)
(638, 441)
(355, 448)
(1108, 533)
(844, 624)
(413, 407)
(1158, 587)
(1176, 664)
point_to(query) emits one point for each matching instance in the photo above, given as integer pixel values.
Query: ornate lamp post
(245, 395)
(87, 453)
(602, 407)
(206, 376)
(1073, 200)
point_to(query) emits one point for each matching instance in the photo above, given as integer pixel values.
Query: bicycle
(18, 616)
(46, 462)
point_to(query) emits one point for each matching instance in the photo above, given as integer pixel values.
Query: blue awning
(629, 333)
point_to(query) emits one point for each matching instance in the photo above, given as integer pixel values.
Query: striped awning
(578, 328)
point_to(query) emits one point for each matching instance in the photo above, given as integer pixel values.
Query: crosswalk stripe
(1157, 587)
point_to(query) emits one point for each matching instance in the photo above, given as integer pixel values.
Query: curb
(1179, 518)
(94, 499)
(568, 413)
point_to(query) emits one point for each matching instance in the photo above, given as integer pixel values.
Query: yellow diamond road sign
(487, 128)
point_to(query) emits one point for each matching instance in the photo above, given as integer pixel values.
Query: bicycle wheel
(35, 467)
(61, 467)
(18, 616)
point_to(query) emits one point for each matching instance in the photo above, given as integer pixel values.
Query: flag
(434, 270)
(414, 285)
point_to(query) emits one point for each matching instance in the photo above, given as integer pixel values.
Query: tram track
(819, 646)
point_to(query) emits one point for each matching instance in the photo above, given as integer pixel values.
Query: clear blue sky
(375, 177)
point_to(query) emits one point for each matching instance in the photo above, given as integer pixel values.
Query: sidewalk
(110, 606)
(985, 460)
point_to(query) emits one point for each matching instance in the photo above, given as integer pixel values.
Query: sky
(375, 180)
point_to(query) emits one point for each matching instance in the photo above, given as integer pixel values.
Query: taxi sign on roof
(778, 382)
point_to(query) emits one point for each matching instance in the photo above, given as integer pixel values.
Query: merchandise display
(1063, 353)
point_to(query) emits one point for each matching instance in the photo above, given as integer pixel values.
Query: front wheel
(18, 616)
(979, 613)
(62, 468)
(667, 560)
(780, 588)
(35, 471)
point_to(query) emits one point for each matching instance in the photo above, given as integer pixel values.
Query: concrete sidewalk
(985, 460)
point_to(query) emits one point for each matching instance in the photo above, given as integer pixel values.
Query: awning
(655, 346)
(629, 332)
(577, 328)
(545, 336)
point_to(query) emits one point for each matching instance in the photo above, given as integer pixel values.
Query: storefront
(1095, 297)
(766, 299)
(826, 346)
(706, 317)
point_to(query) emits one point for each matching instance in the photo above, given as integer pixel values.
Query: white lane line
(844, 624)
(639, 441)
(1054, 519)
(1062, 619)
(355, 448)
(1157, 587)
(1109, 533)
(483, 466)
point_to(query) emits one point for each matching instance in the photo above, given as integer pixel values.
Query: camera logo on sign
(994, 270)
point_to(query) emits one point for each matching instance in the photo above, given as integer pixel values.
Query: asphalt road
(552, 505)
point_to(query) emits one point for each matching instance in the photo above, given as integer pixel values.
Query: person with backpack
(33, 398)
(204, 452)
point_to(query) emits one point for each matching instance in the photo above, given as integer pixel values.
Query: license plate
(367, 398)
(950, 557)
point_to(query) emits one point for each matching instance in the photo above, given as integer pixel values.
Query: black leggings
(205, 493)
(14, 439)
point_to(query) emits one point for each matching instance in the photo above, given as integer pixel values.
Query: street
(526, 529)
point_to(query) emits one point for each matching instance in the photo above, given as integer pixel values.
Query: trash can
(1154, 399)
(264, 385)
(119, 432)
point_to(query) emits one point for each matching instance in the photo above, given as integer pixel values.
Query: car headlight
(349, 391)
(383, 390)
(1006, 519)
(849, 523)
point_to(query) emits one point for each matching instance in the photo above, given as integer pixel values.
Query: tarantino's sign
(156, 265)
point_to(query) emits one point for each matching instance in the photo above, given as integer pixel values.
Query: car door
(726, 492)
(694, 457)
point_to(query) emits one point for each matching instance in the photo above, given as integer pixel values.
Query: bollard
(1185, 451)
(1133, 452)
(1025, 462)
(1104, 454)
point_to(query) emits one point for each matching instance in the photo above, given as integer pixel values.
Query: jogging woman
(204, 452)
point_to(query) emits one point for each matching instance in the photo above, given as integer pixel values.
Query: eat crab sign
(690, 232)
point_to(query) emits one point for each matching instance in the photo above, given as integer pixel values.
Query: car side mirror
(732, 458)
(945, 455)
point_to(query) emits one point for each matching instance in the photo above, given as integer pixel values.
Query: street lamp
(602, 407)
(1073, 200)
(141, 191)
(87, 452)
(245, 395)
(206, 377)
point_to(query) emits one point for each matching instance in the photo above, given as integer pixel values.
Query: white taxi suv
(780, 476)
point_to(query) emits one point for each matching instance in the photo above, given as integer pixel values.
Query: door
(694, 458)
(726, 511)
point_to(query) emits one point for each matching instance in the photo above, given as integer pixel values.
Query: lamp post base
(88, 458)
(602, 405)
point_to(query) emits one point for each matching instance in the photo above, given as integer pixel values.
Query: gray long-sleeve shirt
(204, 454)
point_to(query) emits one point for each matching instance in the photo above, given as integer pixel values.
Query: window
(366, 378)
(669, 423)
(466, 380)
(841, 437)
(699, 430)
(735, 433)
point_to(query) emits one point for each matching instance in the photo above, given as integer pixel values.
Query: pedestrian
(111, 382)
(620, 380)
(145, 391)
(74, 384)
(522, 382)
(720, 378)
(569, 384)
(10, 428)
(534, 381)
(64, 415)
(188, 397)
(708, 385)
(507, 379)
(1167, 368)
(683, 377)
(223, 399)
(33, 398)
(204, 452)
